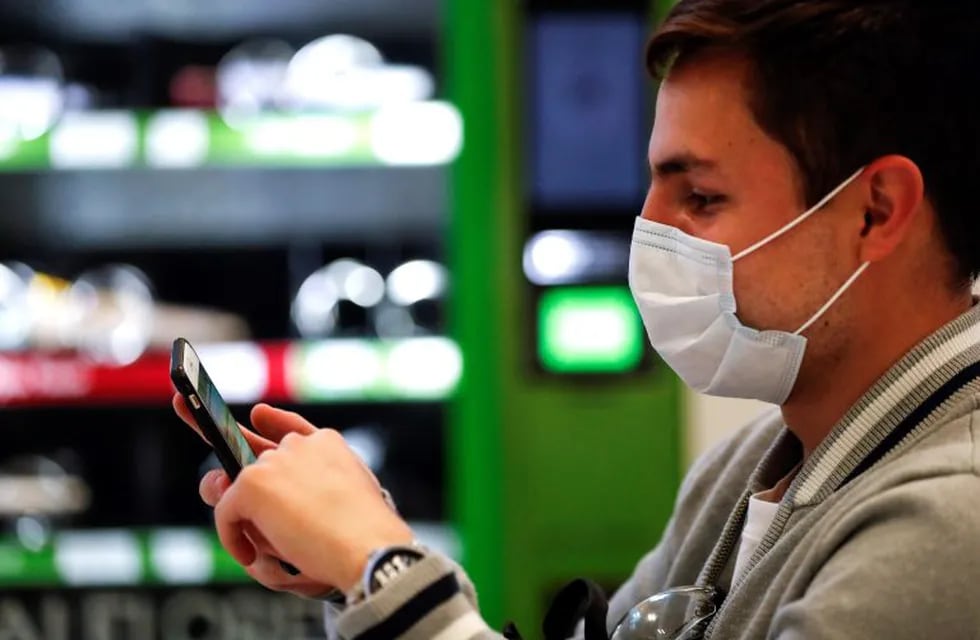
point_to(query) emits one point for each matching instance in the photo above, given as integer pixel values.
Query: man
(854, 510)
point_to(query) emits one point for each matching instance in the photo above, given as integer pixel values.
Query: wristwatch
(385, 566)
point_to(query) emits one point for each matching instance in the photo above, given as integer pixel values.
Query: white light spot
(250, 79)
(177, 139)
(29, 106)
(595, 331)
(32, 533)
(92, 140)
(182, 556)
(98, 558)
(417, 133)
(315, 306)
(364, 287)
(552, 257)
(15, 310)
(417, 280)
(239, 370)
(342, 367)
(425, 366)
(112, 314)
(126, 343)
(306, 136)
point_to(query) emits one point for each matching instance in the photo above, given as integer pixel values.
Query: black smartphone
(212, 415)
(209, 409)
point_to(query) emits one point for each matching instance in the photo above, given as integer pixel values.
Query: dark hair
(842, 82)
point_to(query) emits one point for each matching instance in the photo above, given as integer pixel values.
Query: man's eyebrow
(681, 163)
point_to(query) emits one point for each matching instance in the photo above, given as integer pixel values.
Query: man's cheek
(764, 300)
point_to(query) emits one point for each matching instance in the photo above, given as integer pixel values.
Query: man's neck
(818, 405)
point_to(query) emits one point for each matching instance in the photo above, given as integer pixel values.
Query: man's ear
(895, 198)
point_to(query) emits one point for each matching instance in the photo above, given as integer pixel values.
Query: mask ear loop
(800, 219)
(834, 298)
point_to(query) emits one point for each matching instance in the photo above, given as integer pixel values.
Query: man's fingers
(256, 442)
(258, 540)
(275, 424)
(214, 484)
(231, 532)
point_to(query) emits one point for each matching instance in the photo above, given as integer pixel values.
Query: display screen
(589, 330)
(216, 407)
(587, 125)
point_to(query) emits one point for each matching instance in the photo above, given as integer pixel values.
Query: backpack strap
(578, 600)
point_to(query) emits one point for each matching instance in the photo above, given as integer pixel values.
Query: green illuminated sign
(133, 557)
(412, 134)
(589, 330)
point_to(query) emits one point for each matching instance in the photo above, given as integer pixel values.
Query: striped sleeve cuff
(425, 603)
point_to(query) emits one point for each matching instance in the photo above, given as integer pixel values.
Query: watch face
(391, 564)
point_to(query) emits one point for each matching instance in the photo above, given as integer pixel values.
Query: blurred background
(406, 220)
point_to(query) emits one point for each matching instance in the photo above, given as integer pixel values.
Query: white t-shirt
(758, 517)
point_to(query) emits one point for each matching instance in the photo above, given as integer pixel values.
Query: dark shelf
(108, 20)
(85, 210)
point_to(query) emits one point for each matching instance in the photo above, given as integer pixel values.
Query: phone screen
(216, 407)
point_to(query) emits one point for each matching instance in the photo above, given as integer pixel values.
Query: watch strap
(384, 566)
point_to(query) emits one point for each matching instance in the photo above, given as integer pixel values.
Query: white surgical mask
(683, 288)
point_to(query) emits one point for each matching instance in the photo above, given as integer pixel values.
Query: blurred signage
(406, 134)
(173, 614)
(37, 378)
(409, 369)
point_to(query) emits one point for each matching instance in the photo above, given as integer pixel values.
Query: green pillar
(552, 478)
(482, 244)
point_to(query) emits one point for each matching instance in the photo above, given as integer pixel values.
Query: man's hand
(266, 569)
(334, 539)
(312, 500)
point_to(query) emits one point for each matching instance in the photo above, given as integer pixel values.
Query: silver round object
(678, 614)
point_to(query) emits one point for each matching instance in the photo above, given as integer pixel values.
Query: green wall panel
(552, 477)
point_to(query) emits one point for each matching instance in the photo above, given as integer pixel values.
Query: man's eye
(698, 201)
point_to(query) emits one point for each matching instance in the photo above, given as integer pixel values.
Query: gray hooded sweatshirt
(877, 536)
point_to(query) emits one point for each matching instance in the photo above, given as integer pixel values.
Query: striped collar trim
(918, 375)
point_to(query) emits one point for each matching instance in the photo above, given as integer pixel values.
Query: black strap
(406, 616)
(914, 419)
(577, 600)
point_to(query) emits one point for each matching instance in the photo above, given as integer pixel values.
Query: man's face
(718, 176)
